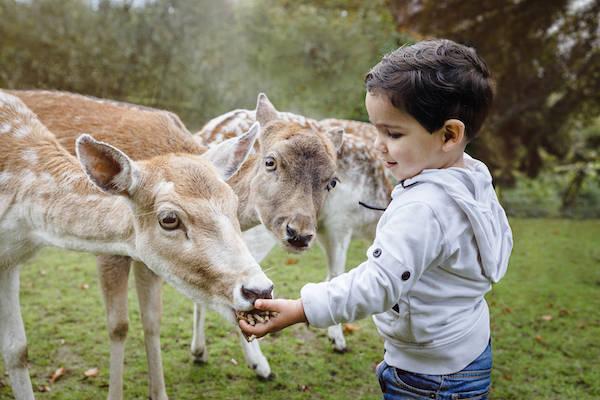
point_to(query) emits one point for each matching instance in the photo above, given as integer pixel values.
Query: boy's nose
(378, 145)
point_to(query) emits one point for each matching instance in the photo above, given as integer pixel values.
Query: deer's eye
(270, 164)
(168, 220)
(332, 184)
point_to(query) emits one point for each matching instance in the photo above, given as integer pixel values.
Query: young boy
(441, 243)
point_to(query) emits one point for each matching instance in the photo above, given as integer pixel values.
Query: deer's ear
(336, 135)
(107, 167)
(265, 111)
(227, 157)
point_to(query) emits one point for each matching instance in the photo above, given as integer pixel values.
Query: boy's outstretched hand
(290, 312)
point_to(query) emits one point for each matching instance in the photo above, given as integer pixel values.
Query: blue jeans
(472, 383)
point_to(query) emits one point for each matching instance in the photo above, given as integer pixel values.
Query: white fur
(30, 156)
(22, 131)
(5, 127)
(5, 177)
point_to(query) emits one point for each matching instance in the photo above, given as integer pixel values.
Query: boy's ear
(453, 134)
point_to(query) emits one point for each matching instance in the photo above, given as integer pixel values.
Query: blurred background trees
(201, 58)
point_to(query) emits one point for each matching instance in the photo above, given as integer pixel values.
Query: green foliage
(313, 59)
(199, 58)
(544, 56)
(543, 196)
(554, 272)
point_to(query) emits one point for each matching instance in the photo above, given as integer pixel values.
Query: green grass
(554, 272)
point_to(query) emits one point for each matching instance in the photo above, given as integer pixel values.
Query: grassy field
(545, 322)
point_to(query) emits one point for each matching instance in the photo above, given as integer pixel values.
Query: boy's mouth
(390, 164)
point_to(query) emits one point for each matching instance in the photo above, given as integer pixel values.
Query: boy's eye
(395, 135)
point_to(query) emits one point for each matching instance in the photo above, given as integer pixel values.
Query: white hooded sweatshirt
(439, 246)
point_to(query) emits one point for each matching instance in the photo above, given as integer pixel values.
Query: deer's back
(141, 132)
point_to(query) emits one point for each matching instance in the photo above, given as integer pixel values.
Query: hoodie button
(405, 275)
(376, 253)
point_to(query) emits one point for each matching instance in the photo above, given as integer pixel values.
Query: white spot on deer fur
(6, 97)
(27, 178)
(5, 177)
(163, 186)
(30, 155)
(93, 197)
(46, 177)
(5, 128)
(22, 131)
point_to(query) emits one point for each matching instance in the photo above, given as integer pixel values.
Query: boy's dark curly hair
(436, 80)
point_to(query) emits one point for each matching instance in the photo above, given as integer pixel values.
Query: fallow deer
(283, 186)
(352, 210)
(171, 212)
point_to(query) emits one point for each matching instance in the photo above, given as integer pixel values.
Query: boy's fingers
(257, 330)
(266, 304)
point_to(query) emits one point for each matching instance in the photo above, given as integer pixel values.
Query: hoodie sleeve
(407, 241)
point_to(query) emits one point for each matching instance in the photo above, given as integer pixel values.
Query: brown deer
(283, 186)
(170, 212)
(351, 210)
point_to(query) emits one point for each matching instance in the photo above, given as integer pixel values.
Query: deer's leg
(254, 357)
(13, 341)
(113, 272)
(149, 291)
(198, 347)
(335, 243)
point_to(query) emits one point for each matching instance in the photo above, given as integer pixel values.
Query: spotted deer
(169, 212)
(352, 210)
(270, 187)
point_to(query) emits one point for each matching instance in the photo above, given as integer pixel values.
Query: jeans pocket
(475, 395)
(419, 386)
(470, 385)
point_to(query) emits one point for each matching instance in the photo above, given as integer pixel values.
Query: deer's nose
(252, 294)
(296, 239)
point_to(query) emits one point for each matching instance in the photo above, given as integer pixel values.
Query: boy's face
(406, 147)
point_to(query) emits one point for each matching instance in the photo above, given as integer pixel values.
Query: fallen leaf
(234, 361)
(351, 328)
(507, 377)
(44, 388)
(43, 272)
(85, 286)
(290, 261)
(506, 310)
(563, 313)
(581, 326)
(303, 388)
(57, 374)
(539, 339)
(547, 317)
(30, 284)
(92, 372)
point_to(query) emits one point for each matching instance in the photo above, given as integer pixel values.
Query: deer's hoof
(200, 357)
(269, 377)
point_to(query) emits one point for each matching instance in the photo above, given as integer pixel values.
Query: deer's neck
(241, 185)
(63, 209)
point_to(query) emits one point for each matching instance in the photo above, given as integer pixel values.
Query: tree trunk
(572, 192)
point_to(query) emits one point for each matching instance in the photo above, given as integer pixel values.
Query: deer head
(185, 219)
(294, 172)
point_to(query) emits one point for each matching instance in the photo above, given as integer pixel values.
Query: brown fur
(140, 132)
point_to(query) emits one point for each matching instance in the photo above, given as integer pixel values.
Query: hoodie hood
(472, 190)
